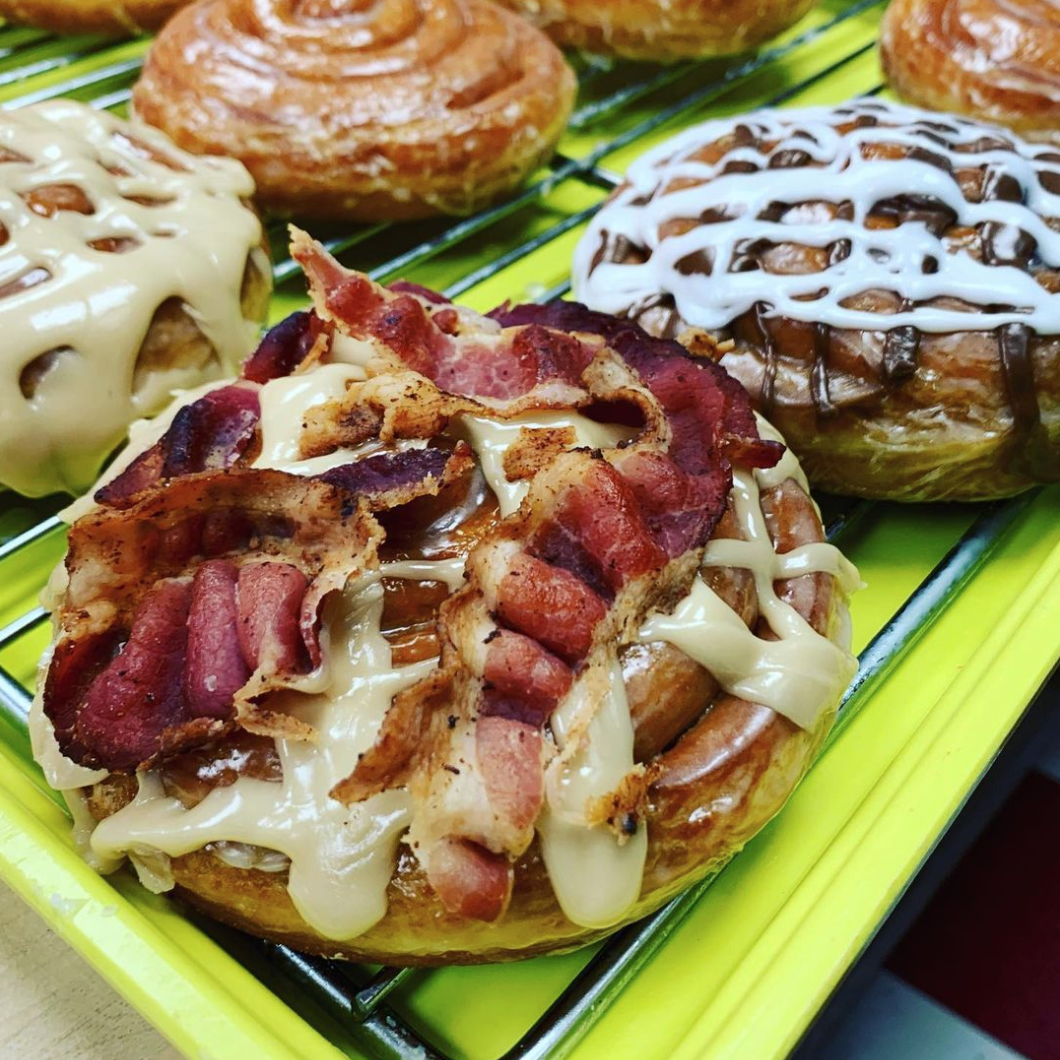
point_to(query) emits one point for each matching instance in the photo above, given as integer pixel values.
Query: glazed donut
(128, 269)
(662, 31)
(883, 280)
(116, 17)
(998, 60)
(482, 637)
(361, 110)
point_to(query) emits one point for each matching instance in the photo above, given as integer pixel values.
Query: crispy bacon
(478, 362)
(161, 649)
(269, 614)
(391, 479)
(208, 434)
(601, 539)
(471, 881)
(551, 606)
(523, 681)
(285, 346)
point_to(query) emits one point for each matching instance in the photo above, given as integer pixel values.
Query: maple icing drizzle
(103, 221)
(340, 858)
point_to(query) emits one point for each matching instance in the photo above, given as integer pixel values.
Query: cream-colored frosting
(596, 876)
(341, 858)
(491, 439)
(191, 243)
(801, 673)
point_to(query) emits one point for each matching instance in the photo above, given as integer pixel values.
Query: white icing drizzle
(801, 673)
(596, 877)
(881, 259)
(191, 243)
(491, 438)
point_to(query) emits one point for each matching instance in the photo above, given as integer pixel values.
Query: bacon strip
(285, 346)
(601, 539)
(137, 697)
(208, 434)
(162, 648)
(216, 668)
(391, 479)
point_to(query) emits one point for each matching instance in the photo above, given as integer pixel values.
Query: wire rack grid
(359, 998)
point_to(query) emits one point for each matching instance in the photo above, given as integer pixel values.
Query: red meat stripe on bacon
(209, 434)
(139, 696)
(269, 614)
(283, 348)
(192, 645)
(216, 668)
(196, 600)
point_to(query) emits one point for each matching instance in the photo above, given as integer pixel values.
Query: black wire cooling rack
(357, 997)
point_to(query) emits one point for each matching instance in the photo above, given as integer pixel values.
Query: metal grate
(352, 994)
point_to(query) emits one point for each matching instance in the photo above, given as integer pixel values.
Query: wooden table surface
(55, 1006)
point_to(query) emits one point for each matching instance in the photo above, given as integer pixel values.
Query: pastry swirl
(659, 31)
(419, 662)
(884, 281)
(998, 60)
(361, 110)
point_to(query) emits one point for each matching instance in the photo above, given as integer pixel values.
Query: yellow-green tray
(958, 619)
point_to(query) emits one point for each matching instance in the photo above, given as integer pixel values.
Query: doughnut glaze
(890, 302)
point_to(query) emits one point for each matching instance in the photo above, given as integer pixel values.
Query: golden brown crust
(993, 59)
(123, 18)
(361, 116)
(973, 415)
(662, 32)
(729, 773)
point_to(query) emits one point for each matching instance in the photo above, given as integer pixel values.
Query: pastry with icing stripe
(439, 637)
(128, 269)
(883, 280)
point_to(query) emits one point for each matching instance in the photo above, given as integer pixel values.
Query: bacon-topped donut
(526, 676)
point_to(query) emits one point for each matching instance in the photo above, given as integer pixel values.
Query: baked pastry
(662, 30)
(128, 269)
(117, 17)
(388, 111)
(530, 497)
(883, 280)
(998, 60)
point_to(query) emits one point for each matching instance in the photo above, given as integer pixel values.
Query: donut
(112, 17)
(882, 279)
(998, 60)
(443, 638)
(352, 110)
(662, 30)
(128, 269)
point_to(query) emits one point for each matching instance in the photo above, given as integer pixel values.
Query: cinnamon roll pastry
(113, 17)
(662, 30)
(883, 280)
(361, 109)
(128, 269)
(440, 637)
(998, 60)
